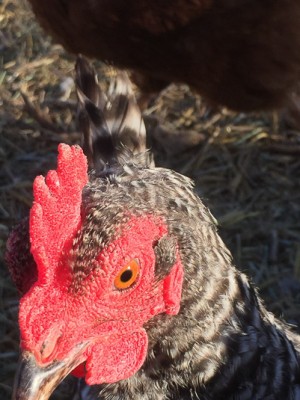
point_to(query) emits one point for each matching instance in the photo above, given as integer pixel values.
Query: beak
(33, 382)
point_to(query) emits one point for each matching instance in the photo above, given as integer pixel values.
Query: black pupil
(126, 276)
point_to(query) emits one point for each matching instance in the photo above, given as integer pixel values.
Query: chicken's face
(89, 313)
(104, 317)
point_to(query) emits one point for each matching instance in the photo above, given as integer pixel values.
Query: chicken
(134, 290)
(239, 53)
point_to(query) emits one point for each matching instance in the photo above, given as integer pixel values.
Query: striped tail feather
(112, 125)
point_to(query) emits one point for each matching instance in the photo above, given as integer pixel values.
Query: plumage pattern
(109, 123)
(223, 343)
(243, 54)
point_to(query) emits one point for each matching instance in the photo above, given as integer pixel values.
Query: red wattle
(117, 358)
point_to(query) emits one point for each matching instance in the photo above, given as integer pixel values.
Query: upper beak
(33, 382)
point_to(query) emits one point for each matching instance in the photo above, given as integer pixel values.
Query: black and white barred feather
(112, 125)
(223, 344)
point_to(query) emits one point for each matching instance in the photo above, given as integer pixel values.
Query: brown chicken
(244, 54)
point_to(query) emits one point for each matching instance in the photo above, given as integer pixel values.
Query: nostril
(49, 347)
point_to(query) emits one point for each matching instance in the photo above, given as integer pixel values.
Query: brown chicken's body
(244, 54)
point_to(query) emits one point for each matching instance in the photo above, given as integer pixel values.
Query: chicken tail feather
(112, 125)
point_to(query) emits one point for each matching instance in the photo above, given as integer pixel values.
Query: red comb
(55, 214)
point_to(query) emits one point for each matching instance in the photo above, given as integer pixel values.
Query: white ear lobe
(173, 288)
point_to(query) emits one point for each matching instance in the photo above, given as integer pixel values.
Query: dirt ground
(246, 167)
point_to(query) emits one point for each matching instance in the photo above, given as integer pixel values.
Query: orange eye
(127, 276)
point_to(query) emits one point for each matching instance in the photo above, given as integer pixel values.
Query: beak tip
(33, 382)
